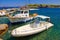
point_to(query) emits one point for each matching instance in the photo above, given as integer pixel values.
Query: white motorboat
(32, 28)
(29, 30)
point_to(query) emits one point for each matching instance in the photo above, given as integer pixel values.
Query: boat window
(11, 10)
(18, 11)
(21, 11)
(26, 12)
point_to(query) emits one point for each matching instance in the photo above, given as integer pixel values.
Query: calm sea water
(51, 34)
(7, 7)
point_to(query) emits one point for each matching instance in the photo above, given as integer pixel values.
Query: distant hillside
(43, 6)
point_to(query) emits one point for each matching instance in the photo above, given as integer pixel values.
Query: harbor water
(51, 34)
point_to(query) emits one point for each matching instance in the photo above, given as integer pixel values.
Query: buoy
(35, 14)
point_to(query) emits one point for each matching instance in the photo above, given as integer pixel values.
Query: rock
(3, 26)
(1, 39)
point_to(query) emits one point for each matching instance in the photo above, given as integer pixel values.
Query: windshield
(26, 12)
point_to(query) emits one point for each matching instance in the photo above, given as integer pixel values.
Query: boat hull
(20, 19)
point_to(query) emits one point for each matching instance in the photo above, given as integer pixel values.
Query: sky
(14, 3)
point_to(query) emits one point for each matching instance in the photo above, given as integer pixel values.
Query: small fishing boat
(32, 28)
(22, 15)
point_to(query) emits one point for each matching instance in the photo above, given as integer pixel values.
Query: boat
(2, 12)
(22, 15)
(33, 27)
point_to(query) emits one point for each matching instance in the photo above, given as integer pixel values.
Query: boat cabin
(24, 13)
